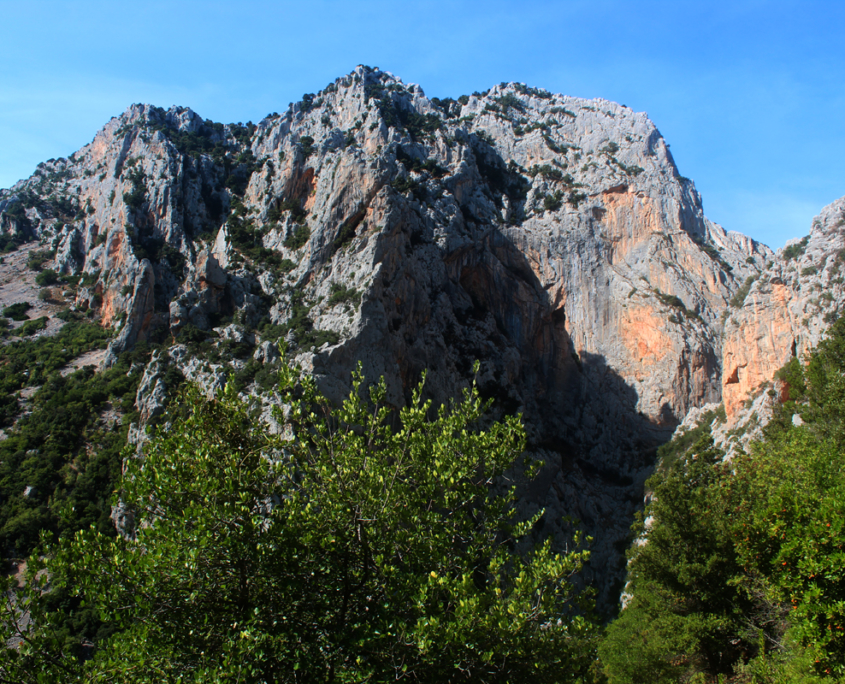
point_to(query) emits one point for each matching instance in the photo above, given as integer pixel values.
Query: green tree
(825, 377)
(789, 498)
(686, 615)
(789, 530)
(352, 545)
(743, 567)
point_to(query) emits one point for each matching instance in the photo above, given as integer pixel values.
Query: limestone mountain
(551, 238)
(778, 314)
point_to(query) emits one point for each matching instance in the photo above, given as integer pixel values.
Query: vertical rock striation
(786, 309)
(548, 237)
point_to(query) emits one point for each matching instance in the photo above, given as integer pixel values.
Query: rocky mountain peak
(549, 237)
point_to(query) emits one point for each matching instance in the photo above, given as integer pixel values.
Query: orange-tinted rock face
(786, 311)
(630, 218)
(566, 255)
(643, 332)
(757, 346)
(645, 299)
(599, 257)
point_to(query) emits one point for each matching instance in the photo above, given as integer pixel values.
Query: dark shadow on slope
(440, 304)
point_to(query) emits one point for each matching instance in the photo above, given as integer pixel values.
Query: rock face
(781, 313)
(787, 308)
(548, 237)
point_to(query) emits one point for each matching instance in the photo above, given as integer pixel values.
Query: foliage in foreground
(345, 549)
(743, 574)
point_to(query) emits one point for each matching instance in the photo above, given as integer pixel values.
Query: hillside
(551, 238)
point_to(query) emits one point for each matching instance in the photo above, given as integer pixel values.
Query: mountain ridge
(549, 237)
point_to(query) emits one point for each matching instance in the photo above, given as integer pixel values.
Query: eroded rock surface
(550, 238)
(787, 308)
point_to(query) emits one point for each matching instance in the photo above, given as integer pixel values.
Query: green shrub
(249, 241)
(17, 312)
(741, 572)
(679, 446)
(190, 334)
(286, 266)
(89, 279)
(32, 327)
(136, 197)
(297, 213)
(554, 201)
(340, 294)
(306, 143)
(205, 139)
(739, 296)
(355, 572)
(675, 302)
(546, 171)
(271, 332)
(307, 102)
(575, 198)
(244, 377)
(47, 277)
(795, 250)
(31, 362)
(37, 257)
(298, 237)
(414, 164)
(58, 448)
(712, 252)
(404, 184)
(686, 616)
(510, 101)
(302, 327)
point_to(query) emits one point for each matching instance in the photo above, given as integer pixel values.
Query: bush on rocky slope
(343, 551)
(59, 462)
(742, 572)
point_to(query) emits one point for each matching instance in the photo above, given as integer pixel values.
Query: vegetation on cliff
(741, 577)
(358, 545)
(344, 226)
(60, 460)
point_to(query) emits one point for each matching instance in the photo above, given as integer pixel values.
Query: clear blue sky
(749, 93)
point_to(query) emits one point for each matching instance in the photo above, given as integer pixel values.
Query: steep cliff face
(123, 212)
(548, 237)
(779, 314)
(787, 308)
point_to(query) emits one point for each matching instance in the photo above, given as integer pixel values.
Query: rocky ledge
(551, 238)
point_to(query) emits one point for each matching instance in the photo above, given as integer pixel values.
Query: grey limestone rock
(266, 353)
(151, 394)
(548, 237)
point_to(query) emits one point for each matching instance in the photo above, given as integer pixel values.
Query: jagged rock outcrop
(779, 314)
(550, 238)
(786, 309)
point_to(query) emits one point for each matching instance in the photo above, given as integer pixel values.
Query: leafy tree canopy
(351, 545)
(739, 569)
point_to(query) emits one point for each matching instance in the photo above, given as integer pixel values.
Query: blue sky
(749, 93)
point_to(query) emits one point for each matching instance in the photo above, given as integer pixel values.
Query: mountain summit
(550, 238)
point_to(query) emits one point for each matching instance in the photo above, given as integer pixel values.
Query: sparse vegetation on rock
(549, 237)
